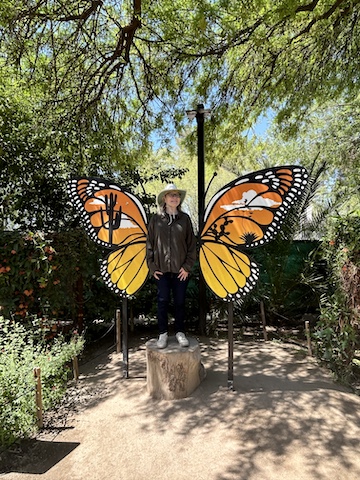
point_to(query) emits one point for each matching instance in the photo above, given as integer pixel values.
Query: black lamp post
(200, 114)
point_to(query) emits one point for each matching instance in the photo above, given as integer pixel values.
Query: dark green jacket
(171, 243)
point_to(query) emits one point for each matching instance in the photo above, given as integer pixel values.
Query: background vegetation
(100, 88)
(338, 331)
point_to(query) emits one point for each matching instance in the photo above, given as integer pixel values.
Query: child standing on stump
(171, 253)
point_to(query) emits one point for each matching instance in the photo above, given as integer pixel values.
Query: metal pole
(201, 209)
(231, 346)
(118, 330)
(125, 337)
(263, 318)
(201, 163)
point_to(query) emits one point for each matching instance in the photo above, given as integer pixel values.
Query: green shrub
(338, 331)
(57, 277)
(336, 338)
(25, 269)
(24, 347)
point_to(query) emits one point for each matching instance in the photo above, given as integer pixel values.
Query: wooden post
(308, 337)
(38, 397)
(118, 331)
(263, 318)
(75, 363)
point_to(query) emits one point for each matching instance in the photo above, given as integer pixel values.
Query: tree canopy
(152, 60)
(92, 86)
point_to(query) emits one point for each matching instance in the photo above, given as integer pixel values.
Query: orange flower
(13, 252)
(332, 242)
(28, 292)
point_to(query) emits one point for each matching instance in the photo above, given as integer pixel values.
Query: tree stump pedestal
(173, 372)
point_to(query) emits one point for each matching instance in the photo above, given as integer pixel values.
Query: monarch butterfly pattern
(114, 218)
(247, 212)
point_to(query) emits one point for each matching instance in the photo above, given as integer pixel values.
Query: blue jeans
(167, 283)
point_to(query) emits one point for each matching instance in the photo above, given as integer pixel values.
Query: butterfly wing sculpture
(248, 212)
(114, 218)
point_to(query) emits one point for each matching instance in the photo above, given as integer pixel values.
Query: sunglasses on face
(173, 195)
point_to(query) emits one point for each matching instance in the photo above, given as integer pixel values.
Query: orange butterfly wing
(115, 219)
(248, 212)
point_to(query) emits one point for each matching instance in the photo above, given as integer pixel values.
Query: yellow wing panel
(228, 272)
(125, 270)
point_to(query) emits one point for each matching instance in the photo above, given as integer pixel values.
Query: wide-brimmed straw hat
(170, 187)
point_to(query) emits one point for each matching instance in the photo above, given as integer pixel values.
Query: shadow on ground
(43, 454)
(285, 419)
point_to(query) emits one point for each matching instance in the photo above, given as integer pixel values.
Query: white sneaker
(162, 341)
(183, 341)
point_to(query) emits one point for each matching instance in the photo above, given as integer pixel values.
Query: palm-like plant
(290, 277)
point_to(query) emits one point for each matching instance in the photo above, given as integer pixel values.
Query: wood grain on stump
(173, 372)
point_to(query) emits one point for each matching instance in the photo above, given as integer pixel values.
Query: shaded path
(285, 420)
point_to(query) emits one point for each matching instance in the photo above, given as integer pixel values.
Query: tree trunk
(173, 372)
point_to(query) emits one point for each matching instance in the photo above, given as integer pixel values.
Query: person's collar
(171, 217)
(179, 213)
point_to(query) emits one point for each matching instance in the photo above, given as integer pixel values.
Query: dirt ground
(285, 420)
